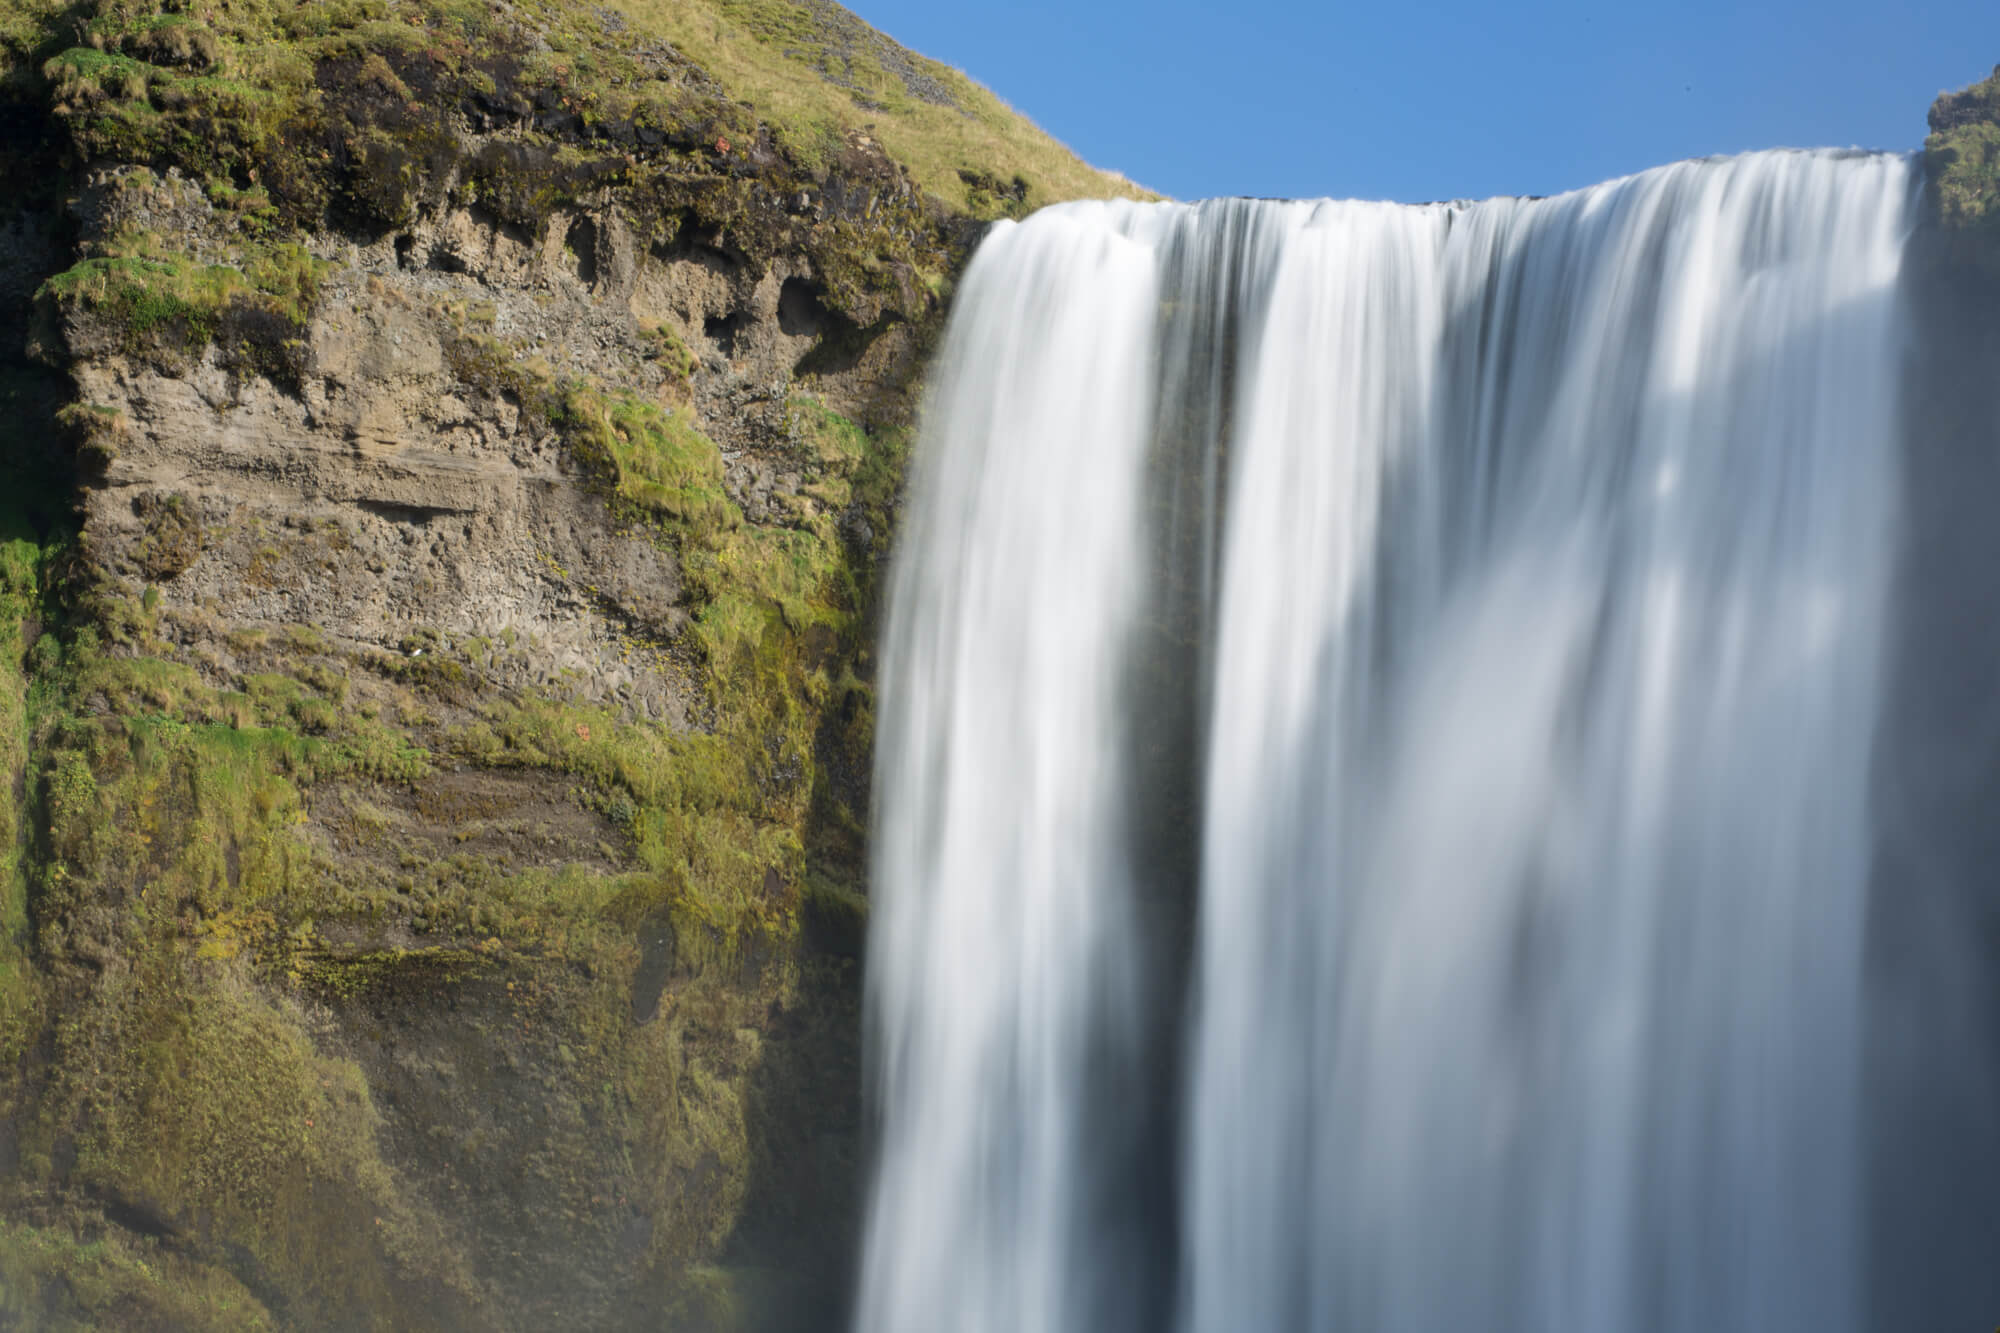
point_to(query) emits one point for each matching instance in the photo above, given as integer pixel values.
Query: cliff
(450, 451)
(1937, 775)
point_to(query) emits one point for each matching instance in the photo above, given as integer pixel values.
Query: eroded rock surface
(437, 576)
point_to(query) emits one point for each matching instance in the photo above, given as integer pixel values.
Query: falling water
(1377, 707)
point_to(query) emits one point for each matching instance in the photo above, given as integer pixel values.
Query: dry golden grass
(815, 74)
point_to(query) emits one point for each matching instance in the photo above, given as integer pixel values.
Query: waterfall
(1376, 711)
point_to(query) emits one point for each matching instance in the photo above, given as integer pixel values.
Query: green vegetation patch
(358, 110)
(654, 460)
(149, 297)
(62, 1279)
(28, 33)
(36, 530)
(822, 80)
(142, 298)
(1962, 156)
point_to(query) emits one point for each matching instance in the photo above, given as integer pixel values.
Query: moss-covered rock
(1962, 165)
(457, 448)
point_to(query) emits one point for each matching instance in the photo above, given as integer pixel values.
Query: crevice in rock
(409, 513)
(580, 244)
(840, 347)
(700, 244)
(485, 217)
(801, 314)
(723, 330)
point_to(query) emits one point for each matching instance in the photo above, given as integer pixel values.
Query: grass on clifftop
(815, 73)
(1962, 156)
(238, 92)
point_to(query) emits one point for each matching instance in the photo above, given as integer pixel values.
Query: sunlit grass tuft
(816, 74)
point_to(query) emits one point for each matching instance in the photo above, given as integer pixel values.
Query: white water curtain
(1524, 985)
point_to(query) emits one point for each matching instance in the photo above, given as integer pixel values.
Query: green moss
(27, 30)
(59, 1281)
(155, 301)
(198, 1098)
(193, 793)
(346, 976)
(83, 72)
(709, 835)
(183, 829)
(128, 109)
(717, 820)
(184, 1084)
(148, 296)
(37, 528)
(655, 461)
(1966, 164)
(174, 40)
(1962, 157)
(674, 357)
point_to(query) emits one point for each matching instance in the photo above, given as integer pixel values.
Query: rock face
(448, 455)
(1931, 1115)
(394, 487)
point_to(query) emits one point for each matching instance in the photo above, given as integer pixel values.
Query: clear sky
(1441, 99)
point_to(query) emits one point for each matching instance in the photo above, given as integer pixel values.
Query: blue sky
(1442, 99)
